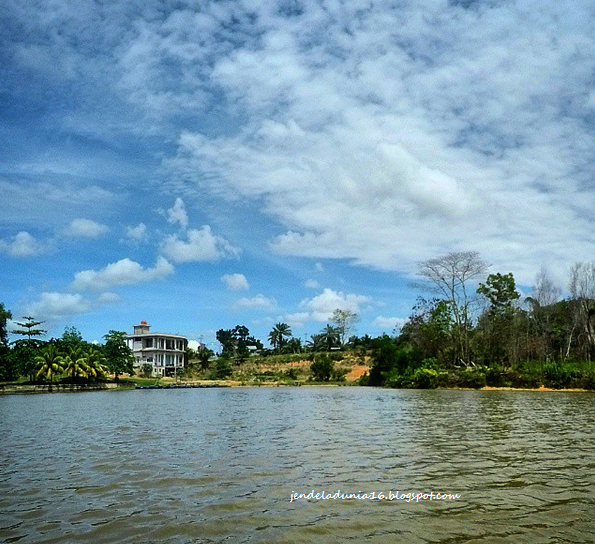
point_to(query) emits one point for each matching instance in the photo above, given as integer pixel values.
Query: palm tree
(49, 364)
(330, 336)
(278, 334)
(75, 363)
(96, 363)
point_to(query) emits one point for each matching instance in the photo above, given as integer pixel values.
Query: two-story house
(164, 351)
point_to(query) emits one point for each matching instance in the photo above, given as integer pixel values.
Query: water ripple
(214, 466)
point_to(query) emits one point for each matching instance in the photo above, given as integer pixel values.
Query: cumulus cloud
(312, 284)
(199, 245)
(259, 302)
(137, 233)
(23, 245)
(122, 272)
(55, 305)
(85, 228)
(321, 307)
(235, 282)
(177, 214)
(389, 322)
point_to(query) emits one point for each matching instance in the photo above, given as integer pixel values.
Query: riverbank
(56, 388)
(206, 384)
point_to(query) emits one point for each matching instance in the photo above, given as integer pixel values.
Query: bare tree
(582, 297)
(544, 293)
(344, 319)
(450, 277)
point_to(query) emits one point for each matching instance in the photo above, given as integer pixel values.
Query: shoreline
(81, 388)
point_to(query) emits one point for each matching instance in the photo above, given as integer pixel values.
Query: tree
(204, 357)
(449, 276)
(7, 370)
(500, 291)
(75, 364)
(322, 368)
(544, 294)
(25, 350)
(430, 328)
(228, 342)
(582, 297)
(119, 357)
(496, 323)
(344, 319)
(28, 328)
(293, 345)
(96, 363)
(22, 356)
(5, 315)
(49, 364)
(277, 337)
(330, 337)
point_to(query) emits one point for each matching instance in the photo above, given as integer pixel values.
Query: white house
(164, 351)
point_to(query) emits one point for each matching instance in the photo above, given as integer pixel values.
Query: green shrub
(222, 370)
(588, 380)
(495, 377)
(425, 378)
(472, 377)
(322, 368)
(556, 375)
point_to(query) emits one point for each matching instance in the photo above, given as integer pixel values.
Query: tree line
(478, 327)
(466, 323)
(68, 359)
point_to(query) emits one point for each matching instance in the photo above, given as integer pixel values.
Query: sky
(201, 165)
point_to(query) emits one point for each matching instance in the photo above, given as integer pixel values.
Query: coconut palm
(49, 363)
(96, 363)
(278, 334)
(75, 363)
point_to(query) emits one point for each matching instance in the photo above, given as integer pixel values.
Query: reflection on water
(219, 465)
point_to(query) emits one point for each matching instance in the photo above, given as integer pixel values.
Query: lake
(220, 465)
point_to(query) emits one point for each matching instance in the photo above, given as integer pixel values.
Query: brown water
(208, 465)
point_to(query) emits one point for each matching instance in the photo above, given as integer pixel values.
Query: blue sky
(207, 164)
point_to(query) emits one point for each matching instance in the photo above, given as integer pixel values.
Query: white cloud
(85, 228)
(322, 306)
(389, 322)
(200, 245)
(108, 298)
(137, 233)
(382, 136)
(177, 214)
(312, 284)
(297, 319)
(235, 282)
(49, 203)
(400, 137)
(54, 305)
(23, 245)
(122, 272)
(258, 302)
